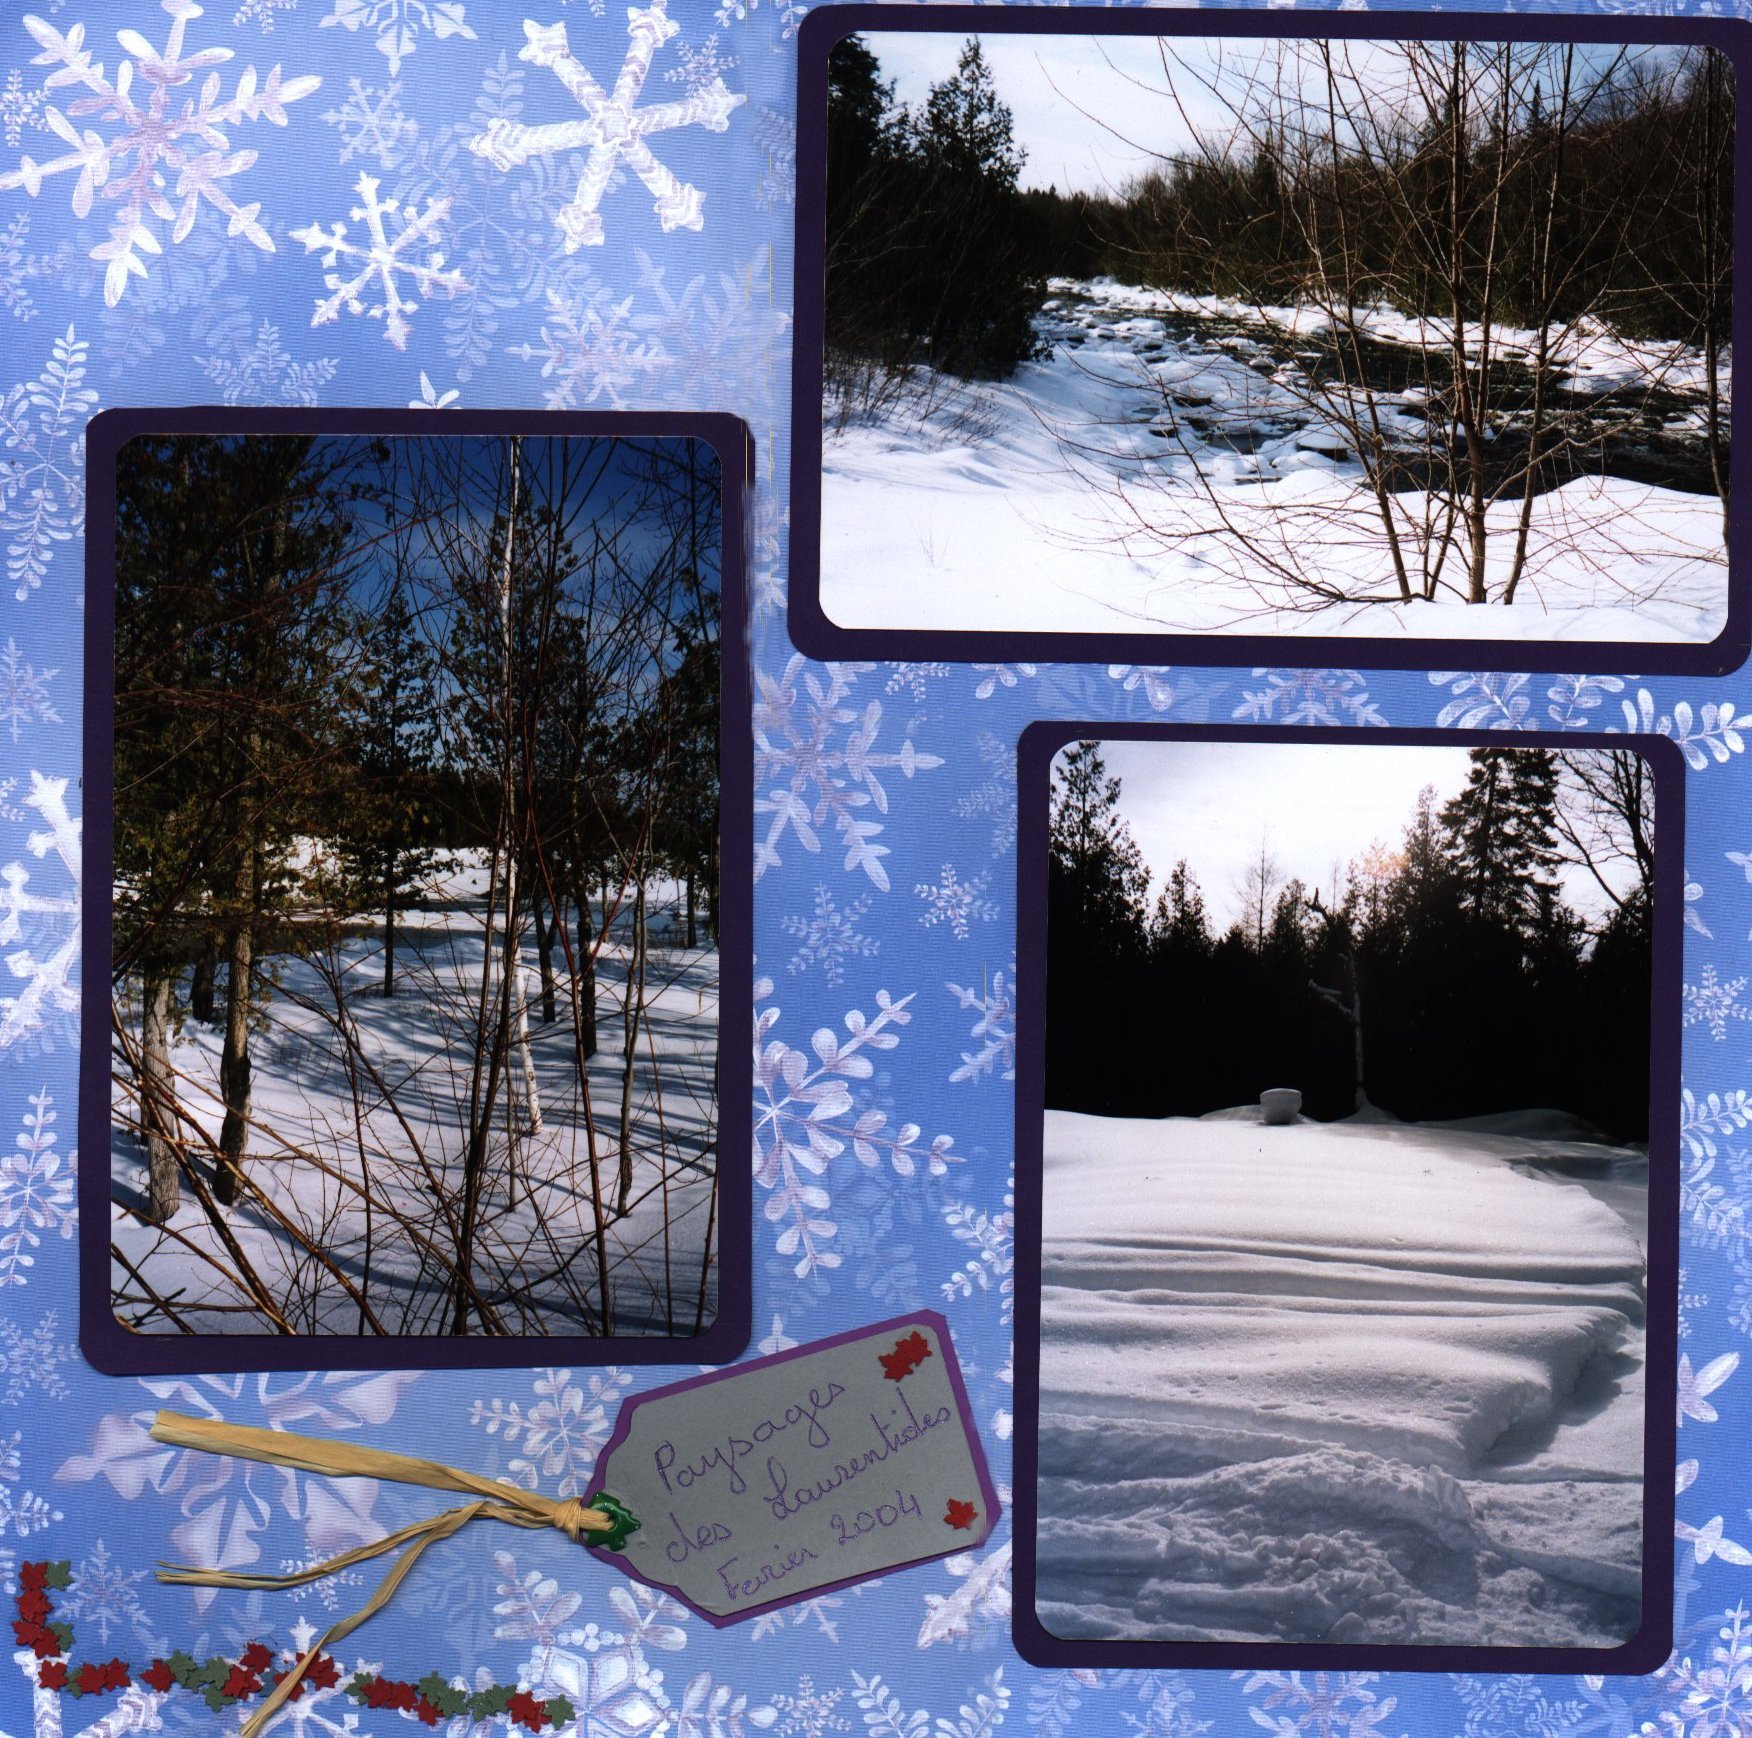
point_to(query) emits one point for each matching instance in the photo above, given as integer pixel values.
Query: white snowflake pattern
(36, 1191)
(24, 692)
(1711, 1699)
(263, 372)
(726, 343)
(800, 1126)
(397, 23)
(1714, 731)
(560, 1436)
(531, 1606)
(775, 138)
(49, 994)
(613, 129)
(992, 677)
(700, 68)
(790, 15)
(995, 797)
(22, 1513)
(326, 1590)
(159, 154)
(806, 777)
(431, 398)
(1328, 1704)
(977, 1608)
(1484, 700)
(19, 267)
(590, 350)
(1713, 1002)
(261, 13)
(1702, 1119)
(380, 261)
(955, 902)
(20, 109)
(811, 1713)
(104, 1597)
(42, 462)
(1150, 680)
(1310, 697)
(830, 936)
(994, 1029)
(372, 124)
(31, 1359)
(992, 1238)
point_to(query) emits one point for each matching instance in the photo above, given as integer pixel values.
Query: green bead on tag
(625, 1523)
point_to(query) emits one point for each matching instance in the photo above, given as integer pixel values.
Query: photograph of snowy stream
(415, 1021)
(1344, 1276)
(1418, 340)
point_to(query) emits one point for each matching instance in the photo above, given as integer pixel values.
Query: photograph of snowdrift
(1417, 340)
(415, 926)
(1346, 1269)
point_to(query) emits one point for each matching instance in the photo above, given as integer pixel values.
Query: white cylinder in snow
(1281, 1104)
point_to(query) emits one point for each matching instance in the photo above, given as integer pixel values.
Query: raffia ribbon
(600, 1514)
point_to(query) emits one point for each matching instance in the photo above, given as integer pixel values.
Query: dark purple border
(1653, 1641)
(818, 635)
(107, 1345)
(602, 1475)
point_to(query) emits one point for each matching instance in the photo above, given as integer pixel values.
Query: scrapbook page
(873, 868)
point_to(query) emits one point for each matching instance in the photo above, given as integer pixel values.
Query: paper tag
(768, 1482)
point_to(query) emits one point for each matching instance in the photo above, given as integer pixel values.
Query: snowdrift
(1338, 1382)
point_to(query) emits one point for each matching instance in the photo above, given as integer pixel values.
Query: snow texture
(1345, 1382)
(1155, 466)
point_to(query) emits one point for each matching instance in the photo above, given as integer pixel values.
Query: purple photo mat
(1650, 1647)
(600, 1476)
(816, 634)
(106, 1344)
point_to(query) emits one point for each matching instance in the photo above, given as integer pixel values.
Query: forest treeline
(337, 658)
(1446, 977)
(1520, 183)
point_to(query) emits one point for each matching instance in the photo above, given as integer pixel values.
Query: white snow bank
(1134, 482)
(1290, 1375)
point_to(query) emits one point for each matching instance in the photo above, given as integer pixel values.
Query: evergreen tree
(1501, 836)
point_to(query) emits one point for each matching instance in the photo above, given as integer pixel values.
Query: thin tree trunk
(158, 1098)
(389, 881)
(692, 912)
(634, 1007)
(584, 978)
(234, 1064)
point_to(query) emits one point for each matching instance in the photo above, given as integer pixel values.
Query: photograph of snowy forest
(1344, 1209)
(1414, 339)
(415, 985)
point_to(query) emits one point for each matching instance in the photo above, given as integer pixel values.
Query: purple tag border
(875, 1330)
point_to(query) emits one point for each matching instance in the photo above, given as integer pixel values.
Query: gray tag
(768, 1482)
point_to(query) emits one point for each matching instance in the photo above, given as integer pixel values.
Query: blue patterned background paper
(884, 895)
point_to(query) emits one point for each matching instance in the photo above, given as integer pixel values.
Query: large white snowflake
(806, 775)
(163, 158)
(830, 936)
(994, 1028)
(42, 462)
(1714, 1003)
(614, 128)
(558, 1439)
(48, 992)
(374, 266)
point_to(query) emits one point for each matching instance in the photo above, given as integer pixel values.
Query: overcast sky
(1315, 805)
(1093, 113)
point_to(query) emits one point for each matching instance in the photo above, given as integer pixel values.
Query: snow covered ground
(1340, 1382)
(1162, 470)
(357, 1140)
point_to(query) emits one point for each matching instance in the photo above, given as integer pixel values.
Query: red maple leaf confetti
(906, 1357)
(256, 1657)
(527, 1711)
(158, 1676)
(52, 1675)
(960, 1515)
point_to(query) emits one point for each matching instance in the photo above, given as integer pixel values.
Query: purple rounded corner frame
(818, 635)
(105, 1343)
(623, 1426)
(1651, 1645)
